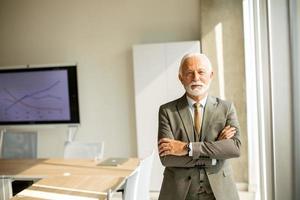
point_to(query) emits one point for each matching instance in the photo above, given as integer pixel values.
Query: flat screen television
(39, 95)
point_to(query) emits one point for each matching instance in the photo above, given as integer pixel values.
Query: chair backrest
(15, 145)
(87, 150)
(18, 145)
(131, 186)
(145, 177)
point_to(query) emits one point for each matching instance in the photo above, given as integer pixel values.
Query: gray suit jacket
(175, 121)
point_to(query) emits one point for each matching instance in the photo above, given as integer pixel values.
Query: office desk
(66, 178)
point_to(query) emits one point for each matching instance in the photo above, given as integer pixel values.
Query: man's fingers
(164, 140)
(167, 146)
(231, 135)
(226, 128)
(227, 135)
(164, 147)
(164, 152)
(164, 144)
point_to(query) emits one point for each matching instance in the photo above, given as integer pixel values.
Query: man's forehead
(195, 61)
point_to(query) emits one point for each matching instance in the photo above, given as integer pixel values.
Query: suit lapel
(209, 112)
(185, 115)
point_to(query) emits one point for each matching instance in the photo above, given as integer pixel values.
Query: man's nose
(196, 75)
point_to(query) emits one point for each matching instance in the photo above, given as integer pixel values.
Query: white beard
(197, 91)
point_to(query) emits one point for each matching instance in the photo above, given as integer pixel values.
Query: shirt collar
(191, 101)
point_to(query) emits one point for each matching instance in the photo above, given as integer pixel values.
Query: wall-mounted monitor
(46, 95)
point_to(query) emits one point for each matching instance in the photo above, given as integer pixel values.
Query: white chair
(87, 150)
(131, 186)
(145, 178)
(137, 186)
(16, 145)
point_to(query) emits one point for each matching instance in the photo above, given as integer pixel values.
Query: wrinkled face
(196, 76)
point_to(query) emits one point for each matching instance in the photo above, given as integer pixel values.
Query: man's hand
(227, 133)
(168, 146)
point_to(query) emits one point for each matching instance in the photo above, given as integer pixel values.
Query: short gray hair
(199, 55)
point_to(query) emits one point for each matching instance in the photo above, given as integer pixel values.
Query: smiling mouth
(196, 86)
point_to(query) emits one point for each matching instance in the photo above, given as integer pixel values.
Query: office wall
(222, 40)
(98, 35)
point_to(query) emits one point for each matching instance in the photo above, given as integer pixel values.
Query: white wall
(99, 35)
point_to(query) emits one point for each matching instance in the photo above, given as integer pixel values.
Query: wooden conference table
(67, 178)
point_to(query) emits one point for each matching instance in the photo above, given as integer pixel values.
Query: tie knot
(197, 105)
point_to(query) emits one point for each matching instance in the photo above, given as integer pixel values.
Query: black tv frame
(73, 95)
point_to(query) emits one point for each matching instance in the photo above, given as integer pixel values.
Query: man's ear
(180, 78)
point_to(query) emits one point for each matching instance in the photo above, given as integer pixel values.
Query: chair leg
(10, 191)
(109, 194)
(123, 195)
(5, 189)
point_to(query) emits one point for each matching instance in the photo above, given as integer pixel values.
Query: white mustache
(197, 88)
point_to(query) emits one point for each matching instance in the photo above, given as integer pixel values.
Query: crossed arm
(167, 146)
(173, 153)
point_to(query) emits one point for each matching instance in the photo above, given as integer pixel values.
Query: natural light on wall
(220, 61)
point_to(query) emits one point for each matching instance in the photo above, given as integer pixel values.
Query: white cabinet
(156, 82)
